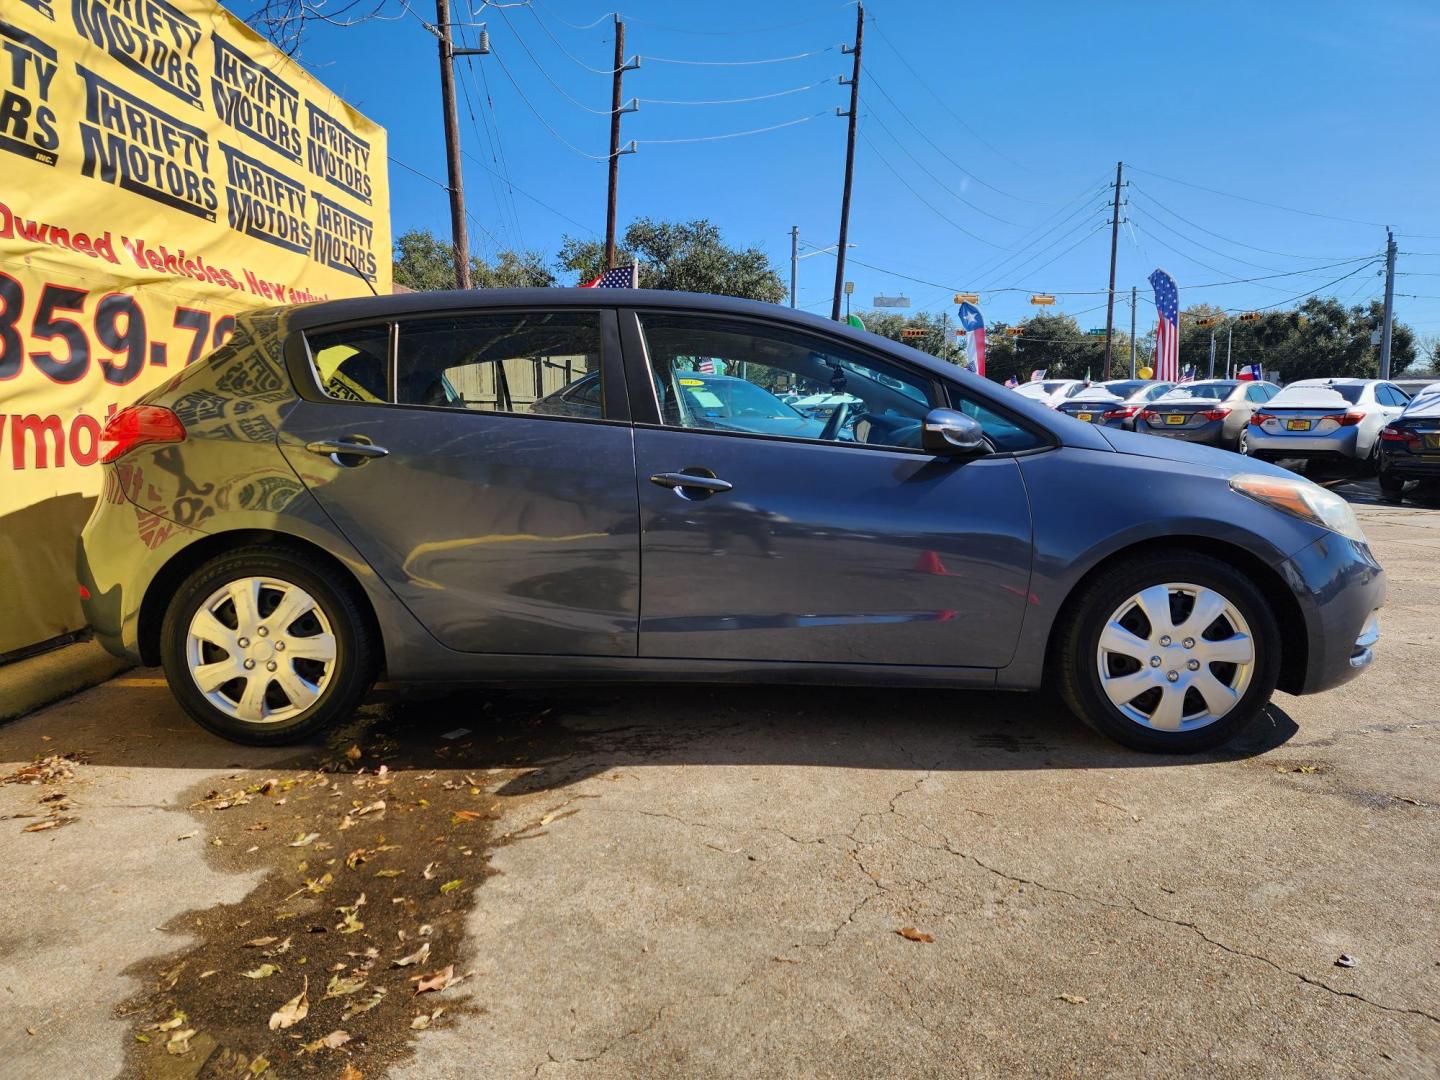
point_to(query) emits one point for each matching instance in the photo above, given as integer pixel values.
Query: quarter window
(544, 363)
(353, 364)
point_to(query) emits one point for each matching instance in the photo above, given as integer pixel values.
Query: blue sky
(990, 135)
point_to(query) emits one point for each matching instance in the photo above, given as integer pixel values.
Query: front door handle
(692, 485)
(357, 450)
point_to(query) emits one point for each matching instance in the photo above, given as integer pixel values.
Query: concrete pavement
(697, 882)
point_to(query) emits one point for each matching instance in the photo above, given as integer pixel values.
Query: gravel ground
(762, 882)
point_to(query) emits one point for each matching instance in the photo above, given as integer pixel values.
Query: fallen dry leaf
(424, 1020)
(333, 1041)
(350, 1072)
(429, 871)
(179, 1042)
(48, 823)
(353, 753)
(171, 1024)
(451, 886)
(293, 1011)
(355, 1008)
(264, 971)
(909, 933)
(462, 816)
(419, 956)
(339, 987)
(436, 980)
(1073, 999)
(260, 942)
(301, 839)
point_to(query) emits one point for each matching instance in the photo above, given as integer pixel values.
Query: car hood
(1138, 444)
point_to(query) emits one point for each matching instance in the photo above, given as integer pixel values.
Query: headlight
(1305, 500)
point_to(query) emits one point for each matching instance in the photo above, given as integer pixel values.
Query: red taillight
(1215, 414)
(1256, 419)
(137, 425)
(1147, 415)
(1122, 413)
(1348, 419)
(84, 593)
(1400, 435)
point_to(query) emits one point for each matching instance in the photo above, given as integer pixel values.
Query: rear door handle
(339, 449)
(693, 483)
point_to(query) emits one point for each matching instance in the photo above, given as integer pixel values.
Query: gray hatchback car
(402, 485)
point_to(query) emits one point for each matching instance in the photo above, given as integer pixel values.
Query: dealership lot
(714, 882)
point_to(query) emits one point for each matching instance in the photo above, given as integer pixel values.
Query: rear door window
(532, 362)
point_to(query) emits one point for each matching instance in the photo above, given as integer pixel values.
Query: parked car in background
(1415, 386)
(1050, 392)
(1325, 420)
(1410, 444)
(822, 406)
(1114, 403)
(378, 485)
(1215, 412)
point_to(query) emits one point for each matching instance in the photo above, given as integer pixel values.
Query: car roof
(1331, 382)
(308, 316)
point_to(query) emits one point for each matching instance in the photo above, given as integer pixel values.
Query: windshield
(1124, 388)
(1056, 384)
(732, 398)
(1207, 391)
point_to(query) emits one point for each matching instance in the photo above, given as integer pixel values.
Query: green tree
(424, 262)
(687, 256)
(936, 333)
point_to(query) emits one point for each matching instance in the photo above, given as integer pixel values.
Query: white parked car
(1050, 392)
(1325, 419)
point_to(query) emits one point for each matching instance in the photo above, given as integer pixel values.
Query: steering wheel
(837, 421)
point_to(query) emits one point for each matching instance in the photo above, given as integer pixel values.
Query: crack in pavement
(1133, 906)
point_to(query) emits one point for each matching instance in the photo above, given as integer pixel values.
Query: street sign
(913, 332)
(967, 298)
(1042, 299)
(892, 301)
(1095, 331)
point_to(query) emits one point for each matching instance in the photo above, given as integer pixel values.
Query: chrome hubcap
(261, 650)
(1175, 657)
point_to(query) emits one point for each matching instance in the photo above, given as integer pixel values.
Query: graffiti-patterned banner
(161, 168)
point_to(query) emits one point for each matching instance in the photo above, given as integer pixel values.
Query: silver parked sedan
(1215, 412)
(1114, 403)
(1326, 419)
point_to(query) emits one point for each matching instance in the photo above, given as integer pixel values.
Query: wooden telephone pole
(617, 108)
(849, 162)
(1114, 244)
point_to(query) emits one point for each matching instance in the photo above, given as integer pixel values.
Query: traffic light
(1014, 331)
(1250, 316)
(1207, 320)
(913, 332)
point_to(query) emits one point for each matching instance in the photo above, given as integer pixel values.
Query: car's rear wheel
(1170, 653)
(263, 646)
(1242, 444)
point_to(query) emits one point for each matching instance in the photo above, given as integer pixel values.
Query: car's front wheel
(263, 646)
(1172, 653)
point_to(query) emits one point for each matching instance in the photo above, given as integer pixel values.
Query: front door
(498, 507)
(788, 514)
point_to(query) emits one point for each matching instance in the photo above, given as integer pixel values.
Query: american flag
(621, 277)
(1012, 382)
(707, 367)
(974, 323)
(1167, 329)
(1187, 373)
(1038, 374)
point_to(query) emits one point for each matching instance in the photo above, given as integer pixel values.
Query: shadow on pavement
(558, 737)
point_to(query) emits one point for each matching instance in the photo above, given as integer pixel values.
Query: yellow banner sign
(161, 168)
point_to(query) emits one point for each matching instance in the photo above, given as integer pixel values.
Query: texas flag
(974, 325)
(1249, 373)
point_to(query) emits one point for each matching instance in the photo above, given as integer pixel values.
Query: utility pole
(794, 259)
(1114, 244)
(1389, 304)
(1212, 355)
(1132, 331)
(1229, 340)
(459, 237)
(849, 158)
(616, 110)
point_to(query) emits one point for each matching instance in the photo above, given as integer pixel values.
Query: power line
(931, 206)
(1135, 188)
(543, 122)
(943, 103)
(954, 194)
(559, 45)
(739, 63)
(934, 146)
(736, 101)
(1057, 258)
(731, 134)
(537, 201)
(465, 71)
(497, 143)
(1258, 202)
(546, 74)
(443, 187)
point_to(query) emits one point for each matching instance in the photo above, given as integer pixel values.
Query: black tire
(1076, 665)
(1390, 483)
(356, 647)
(1242, 442)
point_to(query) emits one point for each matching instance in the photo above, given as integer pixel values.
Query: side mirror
(950, 433)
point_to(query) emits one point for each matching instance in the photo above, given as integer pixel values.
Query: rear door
(842, 542)
(503, 527)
